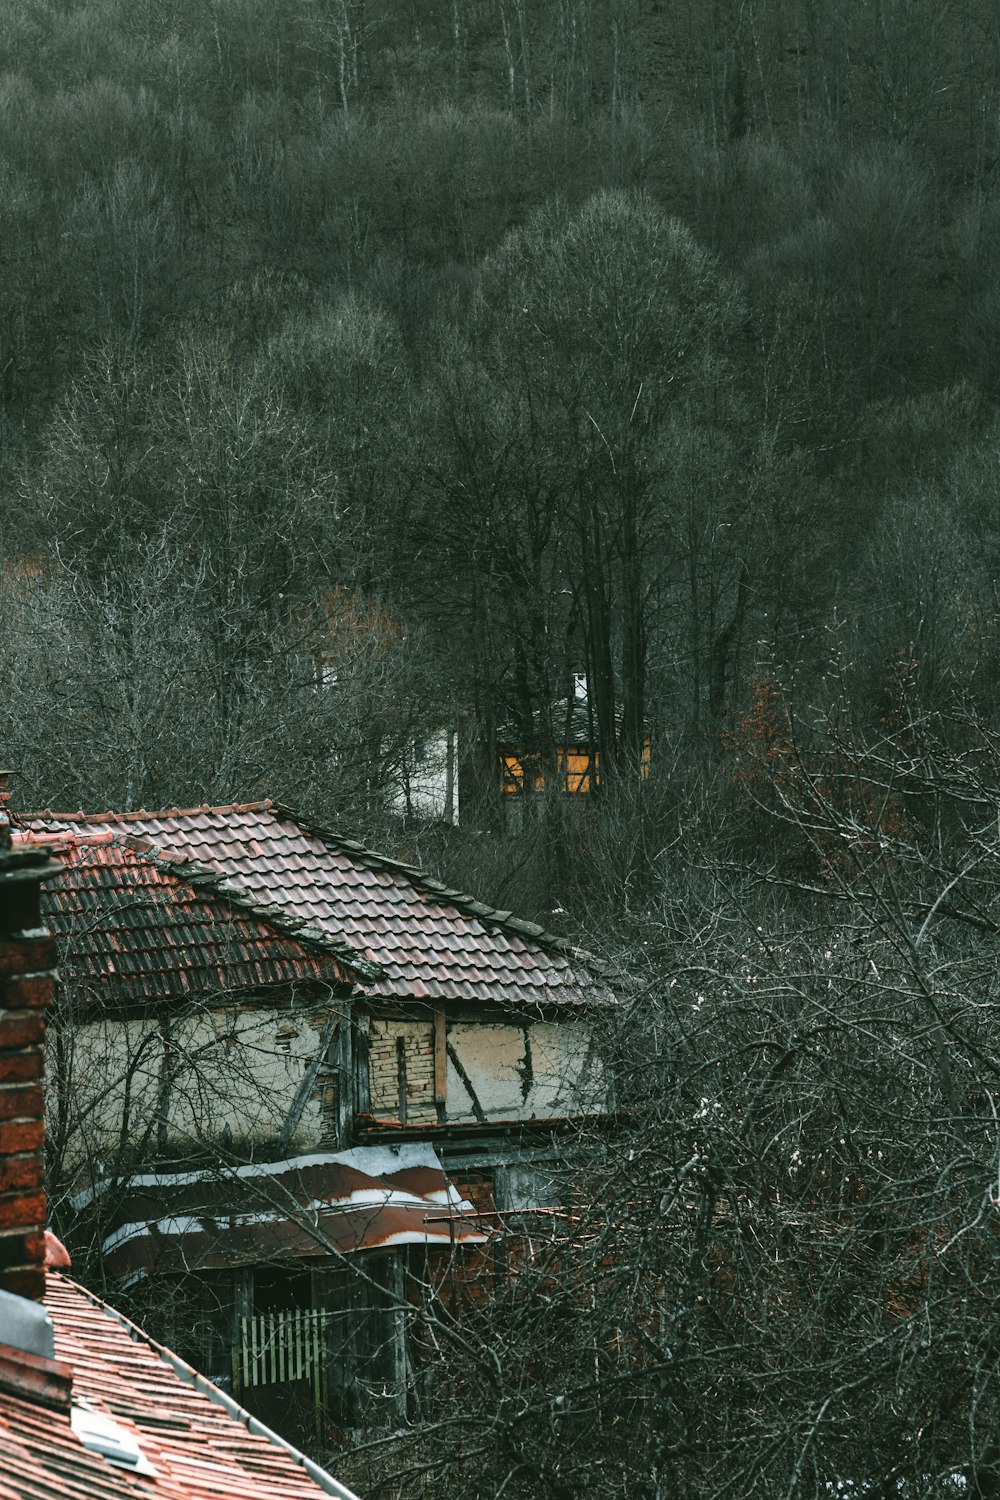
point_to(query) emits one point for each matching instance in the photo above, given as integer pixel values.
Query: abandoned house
(294, 1081)
(89, 1405)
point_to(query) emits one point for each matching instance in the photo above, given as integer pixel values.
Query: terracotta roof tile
(428, 940)
(130, 921)
(197, 1440)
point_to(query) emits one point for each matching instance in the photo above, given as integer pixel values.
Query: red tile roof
(130, 924)
(430, 942)
(199, 1443)
(42, 1458)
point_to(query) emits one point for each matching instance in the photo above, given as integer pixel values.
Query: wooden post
(399, 1362)
(440, 1060)
(346, 1101)
(241, 1310)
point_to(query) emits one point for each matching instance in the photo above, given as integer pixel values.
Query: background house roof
(199, 1444)
(569, 721)
(429, 941)
(131, 925)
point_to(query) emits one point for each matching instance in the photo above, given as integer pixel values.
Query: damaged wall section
(247, 1075)
(401, 1055)
(543, 1069)
(495, 1070)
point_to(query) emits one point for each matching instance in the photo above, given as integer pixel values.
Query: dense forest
(370, 367)
(469, 347)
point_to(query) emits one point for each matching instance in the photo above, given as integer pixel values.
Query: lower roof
(329, 1203)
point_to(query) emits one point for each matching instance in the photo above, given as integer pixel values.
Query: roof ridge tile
(460, 899)
(110, 816)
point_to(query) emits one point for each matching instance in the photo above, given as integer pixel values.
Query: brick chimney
(27, 974)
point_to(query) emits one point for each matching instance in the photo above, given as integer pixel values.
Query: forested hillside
(476, 345)
(366, 368)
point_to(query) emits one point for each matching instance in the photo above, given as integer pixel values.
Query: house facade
(426, 780)
(559, 756)
(300, 1083)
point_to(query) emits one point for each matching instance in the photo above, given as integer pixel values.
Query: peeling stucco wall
(229, 1076)
(232, 1077)
(98, 1074)
(540, 1070)
(247, 1081)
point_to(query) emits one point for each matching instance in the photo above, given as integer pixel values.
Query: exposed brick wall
(27, 965)
(480, 1190)
(418, 1057)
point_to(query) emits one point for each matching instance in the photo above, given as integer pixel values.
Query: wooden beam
(440, 1057)
(320, 1059)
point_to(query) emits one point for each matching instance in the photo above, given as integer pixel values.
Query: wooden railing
(280, 1346)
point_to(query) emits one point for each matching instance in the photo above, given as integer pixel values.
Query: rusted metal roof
(430, 942)
(135, 927)
(370, 1198)
(193, 1442)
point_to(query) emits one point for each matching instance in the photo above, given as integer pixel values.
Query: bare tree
(774, 1276)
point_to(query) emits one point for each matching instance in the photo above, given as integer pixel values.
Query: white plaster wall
(240, 1075)
(563, 1076)
(432, 778)
(238, 1070)
(111, 1069)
